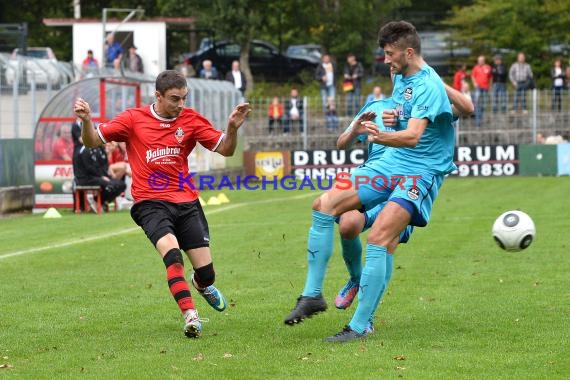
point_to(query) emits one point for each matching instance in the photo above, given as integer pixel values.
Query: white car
(39, 65)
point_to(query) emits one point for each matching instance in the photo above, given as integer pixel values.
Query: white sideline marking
(129, 230)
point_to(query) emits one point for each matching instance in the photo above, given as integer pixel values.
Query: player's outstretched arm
(89, 135)
(236, 119)
(461, 105)
(349, 136)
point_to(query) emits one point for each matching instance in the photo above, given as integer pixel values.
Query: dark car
(265, 61)
(440, 51)
(310, 52)
(378, 66)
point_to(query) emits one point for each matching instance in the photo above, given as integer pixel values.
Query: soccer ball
(514, 231)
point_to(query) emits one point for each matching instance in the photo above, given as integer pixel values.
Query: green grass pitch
(86, 296)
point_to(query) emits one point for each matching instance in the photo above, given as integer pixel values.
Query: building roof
(71, 21)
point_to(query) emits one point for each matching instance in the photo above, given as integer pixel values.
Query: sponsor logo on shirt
(165, 125)
(160, 153)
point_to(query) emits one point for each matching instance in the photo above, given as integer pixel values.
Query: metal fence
(27, 85)
(495, 126)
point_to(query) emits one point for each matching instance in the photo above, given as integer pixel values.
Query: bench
(82, 193)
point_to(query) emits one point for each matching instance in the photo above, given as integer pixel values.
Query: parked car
(265, 60)
(440, 51)
(378, 65)
(311, 52)
(39, 65)
(556, 47)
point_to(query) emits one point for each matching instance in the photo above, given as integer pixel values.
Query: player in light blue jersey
(352, 223)
(423, 109)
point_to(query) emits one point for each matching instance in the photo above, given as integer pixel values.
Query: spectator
(540, 138)
(353, 72)
(132, 61)
(499, 74)
(186, 68)
(119, 168)
(208, 71)
(331, 115)
(89, 66)
(520, 75)
(63, 145)
(50, 133)
(325, 76)
(76, 137)
(558, 76)
(568, 77)
(114, 52)
(376, 94)
(294, 111)
(556, 138)
(275, 114)
(481, 77)
(117, 156)
(237, 77)
(90, 168)
(459, 76)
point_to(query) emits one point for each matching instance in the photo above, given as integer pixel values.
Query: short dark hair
(400, 33)
(169, 79)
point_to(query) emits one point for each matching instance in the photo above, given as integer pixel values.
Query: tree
(341, 26)
(525, 25)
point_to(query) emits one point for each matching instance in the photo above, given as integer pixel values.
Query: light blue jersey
(375, 151)
(423, 167)
(419, 96)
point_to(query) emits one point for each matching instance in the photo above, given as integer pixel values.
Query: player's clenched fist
(81, 109)
(390, 118)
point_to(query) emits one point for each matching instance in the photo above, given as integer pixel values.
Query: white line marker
(133, 229)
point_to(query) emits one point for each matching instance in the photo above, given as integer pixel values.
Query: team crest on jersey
(408, 93)
(179, 134)
(413, 193)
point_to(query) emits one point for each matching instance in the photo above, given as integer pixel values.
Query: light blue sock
(352, 255)
(371, 285)
(320, 247)
(389, 269)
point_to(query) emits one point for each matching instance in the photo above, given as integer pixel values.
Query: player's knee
(173, 256)
(348, 230)
(205, 276)
(317, 204)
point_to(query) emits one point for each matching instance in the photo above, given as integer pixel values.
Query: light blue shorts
(377, 184)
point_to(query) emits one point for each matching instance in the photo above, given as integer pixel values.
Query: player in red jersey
(159, 139)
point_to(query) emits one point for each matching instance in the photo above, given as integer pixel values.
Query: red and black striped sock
(176, 281)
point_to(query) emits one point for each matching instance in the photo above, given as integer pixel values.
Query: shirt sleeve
(208, 136)
(118, 129)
